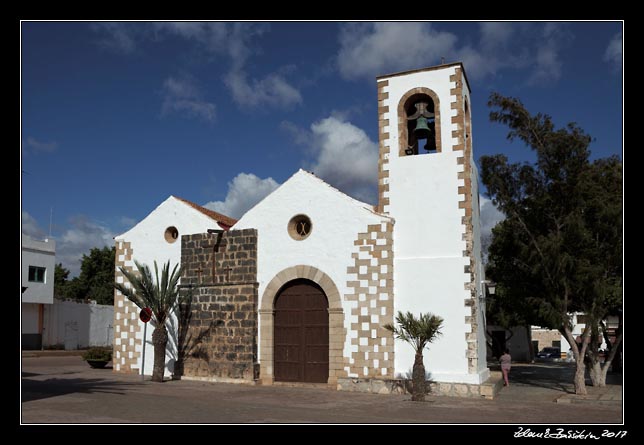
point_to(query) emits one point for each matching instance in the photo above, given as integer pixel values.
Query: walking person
(506, 361)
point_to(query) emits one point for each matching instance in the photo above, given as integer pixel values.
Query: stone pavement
(607, 395)
(63, 389)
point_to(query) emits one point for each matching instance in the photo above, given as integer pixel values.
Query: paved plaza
(63, 389)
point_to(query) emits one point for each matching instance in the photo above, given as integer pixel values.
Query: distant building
(38, 264)
(543, 338)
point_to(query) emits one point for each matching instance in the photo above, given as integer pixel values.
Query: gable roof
(310, 177)
(218, 217)
(370, 207)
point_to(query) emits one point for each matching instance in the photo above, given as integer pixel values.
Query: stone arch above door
(337, 332)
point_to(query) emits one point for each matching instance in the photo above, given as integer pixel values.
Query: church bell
(422, 130)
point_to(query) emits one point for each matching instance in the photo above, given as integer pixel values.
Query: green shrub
(103, 354)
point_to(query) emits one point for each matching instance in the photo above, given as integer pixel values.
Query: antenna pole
(51, 217)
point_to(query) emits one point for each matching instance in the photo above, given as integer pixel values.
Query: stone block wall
(487, 390)
(220, 269)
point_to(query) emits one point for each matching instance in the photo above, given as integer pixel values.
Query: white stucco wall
(40, 254)
(29, 318)
(77, 324)
(429, 264)
(148, 244)
(336, 221)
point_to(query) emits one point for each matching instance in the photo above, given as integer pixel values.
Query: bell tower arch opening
(419, 122)
(421, 125)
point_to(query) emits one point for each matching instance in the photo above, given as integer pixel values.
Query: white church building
(299, 288)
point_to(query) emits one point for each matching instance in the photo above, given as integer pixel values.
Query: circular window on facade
(171, 234)
(299, 227)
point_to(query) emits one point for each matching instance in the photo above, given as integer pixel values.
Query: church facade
(298, 289)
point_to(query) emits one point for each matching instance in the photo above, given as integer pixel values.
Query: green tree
(60, 281)
(418, 332)
(96, 279)
(559, 249)
(162, 296)
(97, 275)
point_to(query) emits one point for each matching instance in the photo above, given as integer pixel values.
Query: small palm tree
(418, 332)
(162, 296)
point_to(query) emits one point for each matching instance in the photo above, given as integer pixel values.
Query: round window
(299, 227)
(171, 234)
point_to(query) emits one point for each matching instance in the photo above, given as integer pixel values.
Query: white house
(299, 288)
(38, 264)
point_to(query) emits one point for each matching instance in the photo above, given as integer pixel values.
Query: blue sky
(117, 116)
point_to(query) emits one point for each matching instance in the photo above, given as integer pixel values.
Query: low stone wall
(403, 386)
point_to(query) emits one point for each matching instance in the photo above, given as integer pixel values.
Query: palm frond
(160, 295)
(418, 332)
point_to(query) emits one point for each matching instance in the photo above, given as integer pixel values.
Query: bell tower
(428, 182)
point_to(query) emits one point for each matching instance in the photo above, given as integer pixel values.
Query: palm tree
(162, 296)
(418, 332)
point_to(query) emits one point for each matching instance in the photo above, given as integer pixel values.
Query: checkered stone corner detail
(371, 288)
(128, 341)
(465, 191)
(383, 148)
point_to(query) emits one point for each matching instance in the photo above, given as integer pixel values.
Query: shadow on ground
(556, 376)
(41, 389)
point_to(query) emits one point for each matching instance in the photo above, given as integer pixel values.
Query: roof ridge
(370, 207)
(219, 217)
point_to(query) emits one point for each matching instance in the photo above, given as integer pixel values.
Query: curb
(31, 354)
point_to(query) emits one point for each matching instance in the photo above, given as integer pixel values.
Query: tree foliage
(61, 275)
(559, 249)
(96, 279)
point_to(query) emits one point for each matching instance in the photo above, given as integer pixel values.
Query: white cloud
(547, 62)
(369, 49)
(344, 156)
(490, 217)
(613, 53)
(30, 226)
(244, 191)
(227, 39)
(31, 145)
(116, 36)
(182, 96)
(79, 239)
(232, 39)
(273, 90)
(496, 34)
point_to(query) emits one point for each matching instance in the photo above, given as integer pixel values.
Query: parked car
(549, 353)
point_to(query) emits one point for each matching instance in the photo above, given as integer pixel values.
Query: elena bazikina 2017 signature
(560, 433)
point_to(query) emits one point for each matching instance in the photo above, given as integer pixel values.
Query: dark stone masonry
(221, 271)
